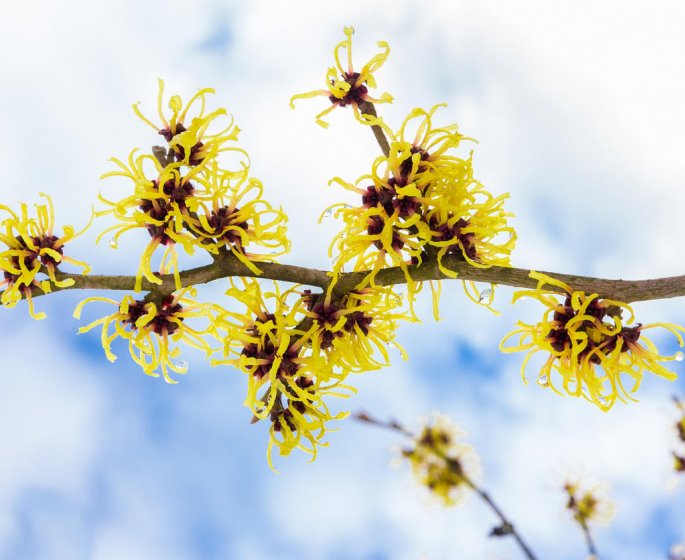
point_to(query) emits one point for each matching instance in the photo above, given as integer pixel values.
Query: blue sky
(578, 110)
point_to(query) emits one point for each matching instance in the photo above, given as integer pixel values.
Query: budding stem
(506, 526)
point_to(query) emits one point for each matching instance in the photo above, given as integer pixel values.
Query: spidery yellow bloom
(189, 127)
(441, 463)
(355, 331)
(591, 347)
(152, 328)
(33, 249)
(233, 214)
(345, 86)
(163, 206)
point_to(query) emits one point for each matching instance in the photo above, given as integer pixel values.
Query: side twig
(592, 549)
(506, 527)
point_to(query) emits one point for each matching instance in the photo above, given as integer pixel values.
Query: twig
(589, 541)
(506, 528)
(367, 108)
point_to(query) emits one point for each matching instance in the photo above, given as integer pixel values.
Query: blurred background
(578, 112)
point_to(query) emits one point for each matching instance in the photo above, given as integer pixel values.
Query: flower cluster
(183, 194)
(345, 86)
(591, 347)
(298, 348)
(152, 328)
(441, 463)
(33, 252)
(421, 203)
(588, 505)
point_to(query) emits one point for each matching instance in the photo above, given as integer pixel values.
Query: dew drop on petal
(113, 243)
(679, 356)
(602, 400)
(543, 381)
(181, 364)
(485, 297)
(327, 214)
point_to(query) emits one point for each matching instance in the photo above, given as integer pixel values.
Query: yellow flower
(152, 328)
(441, 463)
(301, 423)
(164, 206)
(33, 249)
(385, 230)
(234, 214)
(187, 129)
(590, 345)
(345, 86)
(463, 217)
(588, 505)
(352, 331)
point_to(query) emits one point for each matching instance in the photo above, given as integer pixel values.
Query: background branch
(506, 527)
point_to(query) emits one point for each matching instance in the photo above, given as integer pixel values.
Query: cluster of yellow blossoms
(344, 86)
(297, 347)
(592, 348)
(151, 327)
(184, 194)
(420, 201)
(33, 252)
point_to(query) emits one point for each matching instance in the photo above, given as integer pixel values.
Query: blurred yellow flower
(441, 463)
(588, 504)
(33, 249)
(345, 86)
(589, 344)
